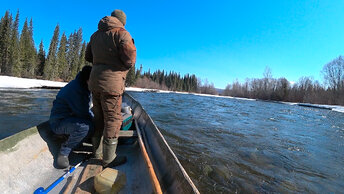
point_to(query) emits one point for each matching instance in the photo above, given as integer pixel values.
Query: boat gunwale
(8, 143)
(185, 174)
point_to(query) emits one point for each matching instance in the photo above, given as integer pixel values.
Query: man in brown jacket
(112, 51)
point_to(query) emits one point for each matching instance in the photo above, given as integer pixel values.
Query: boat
(28, 160)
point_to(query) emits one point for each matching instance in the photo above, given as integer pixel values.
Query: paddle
(152, 175)
(41, 190)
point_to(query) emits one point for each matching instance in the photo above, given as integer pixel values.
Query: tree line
(66, 56)
(306, 90)
(169, 81)
(20, 58)
(162, 80)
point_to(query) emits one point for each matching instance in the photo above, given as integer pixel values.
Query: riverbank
(8, 82)
(25, 83)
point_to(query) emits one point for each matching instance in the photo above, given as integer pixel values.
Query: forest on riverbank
(65, 57)
(305, 90)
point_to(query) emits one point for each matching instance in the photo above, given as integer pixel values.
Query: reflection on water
(226, 145)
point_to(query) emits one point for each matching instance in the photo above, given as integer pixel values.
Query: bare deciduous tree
(333, 73)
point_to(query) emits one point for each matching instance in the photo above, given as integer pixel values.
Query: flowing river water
(226, 145)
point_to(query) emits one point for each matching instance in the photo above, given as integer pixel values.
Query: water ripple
(226, 145)
(231, 146)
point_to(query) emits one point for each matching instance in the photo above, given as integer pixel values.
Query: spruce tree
(28, 56)
(74, 51)
(62, 64)
(5, 43)
(41, 59)
(32, 55)
(15, 48)
(137, 74)
(49, 67)
(82, 61)
(23, 47)
(130, 80)
(69, 53)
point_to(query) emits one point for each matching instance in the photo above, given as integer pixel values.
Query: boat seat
(129, 133)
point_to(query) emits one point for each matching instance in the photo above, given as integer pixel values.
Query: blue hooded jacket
(73, 100)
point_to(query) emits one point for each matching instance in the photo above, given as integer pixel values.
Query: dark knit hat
(120, 15)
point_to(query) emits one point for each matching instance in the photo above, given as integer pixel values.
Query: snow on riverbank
(16, 82)
(330, 107)
(336, 108)
(24, 83)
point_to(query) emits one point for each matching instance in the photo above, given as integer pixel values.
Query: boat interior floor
(41, 169)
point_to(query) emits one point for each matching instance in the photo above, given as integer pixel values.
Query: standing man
(112, 51)
(71, 114)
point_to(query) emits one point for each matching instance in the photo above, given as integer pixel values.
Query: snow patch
(175, 92)
(336, 108)
(16, 82)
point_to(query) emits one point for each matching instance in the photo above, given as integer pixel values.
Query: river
(226, 145)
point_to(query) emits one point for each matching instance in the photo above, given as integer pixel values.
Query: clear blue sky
(218, 40)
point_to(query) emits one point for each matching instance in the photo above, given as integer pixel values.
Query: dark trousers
(107, 114)
(76, 128)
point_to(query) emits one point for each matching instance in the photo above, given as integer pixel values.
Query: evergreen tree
(19, 57)
(23, 46)
(74, 46)
(5, 42)
(15, 48)
(82, 60)
(171, 81)
(41, 59)
(130, 80)
(32, 52)
(28, 52)
(137, 74)
(49, 67)
(70, 52)
(62, 64)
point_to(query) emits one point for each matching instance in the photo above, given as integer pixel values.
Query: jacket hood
(77, 77)
(79, 81)
(108, 23)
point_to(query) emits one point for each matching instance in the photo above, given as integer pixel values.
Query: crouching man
(71, 114)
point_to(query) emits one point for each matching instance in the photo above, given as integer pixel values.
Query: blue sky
(216, 40)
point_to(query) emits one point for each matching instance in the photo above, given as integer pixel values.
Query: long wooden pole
(152, 175)
(70, 184)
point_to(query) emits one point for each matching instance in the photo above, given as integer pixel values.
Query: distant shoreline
(9, 82)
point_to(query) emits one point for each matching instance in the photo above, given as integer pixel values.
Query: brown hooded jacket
(112, 52)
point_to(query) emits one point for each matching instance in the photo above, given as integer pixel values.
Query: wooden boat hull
(27, 161)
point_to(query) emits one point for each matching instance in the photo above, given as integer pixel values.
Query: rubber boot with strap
(110, 159)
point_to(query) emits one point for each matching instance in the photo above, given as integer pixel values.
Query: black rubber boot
(62, 161)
